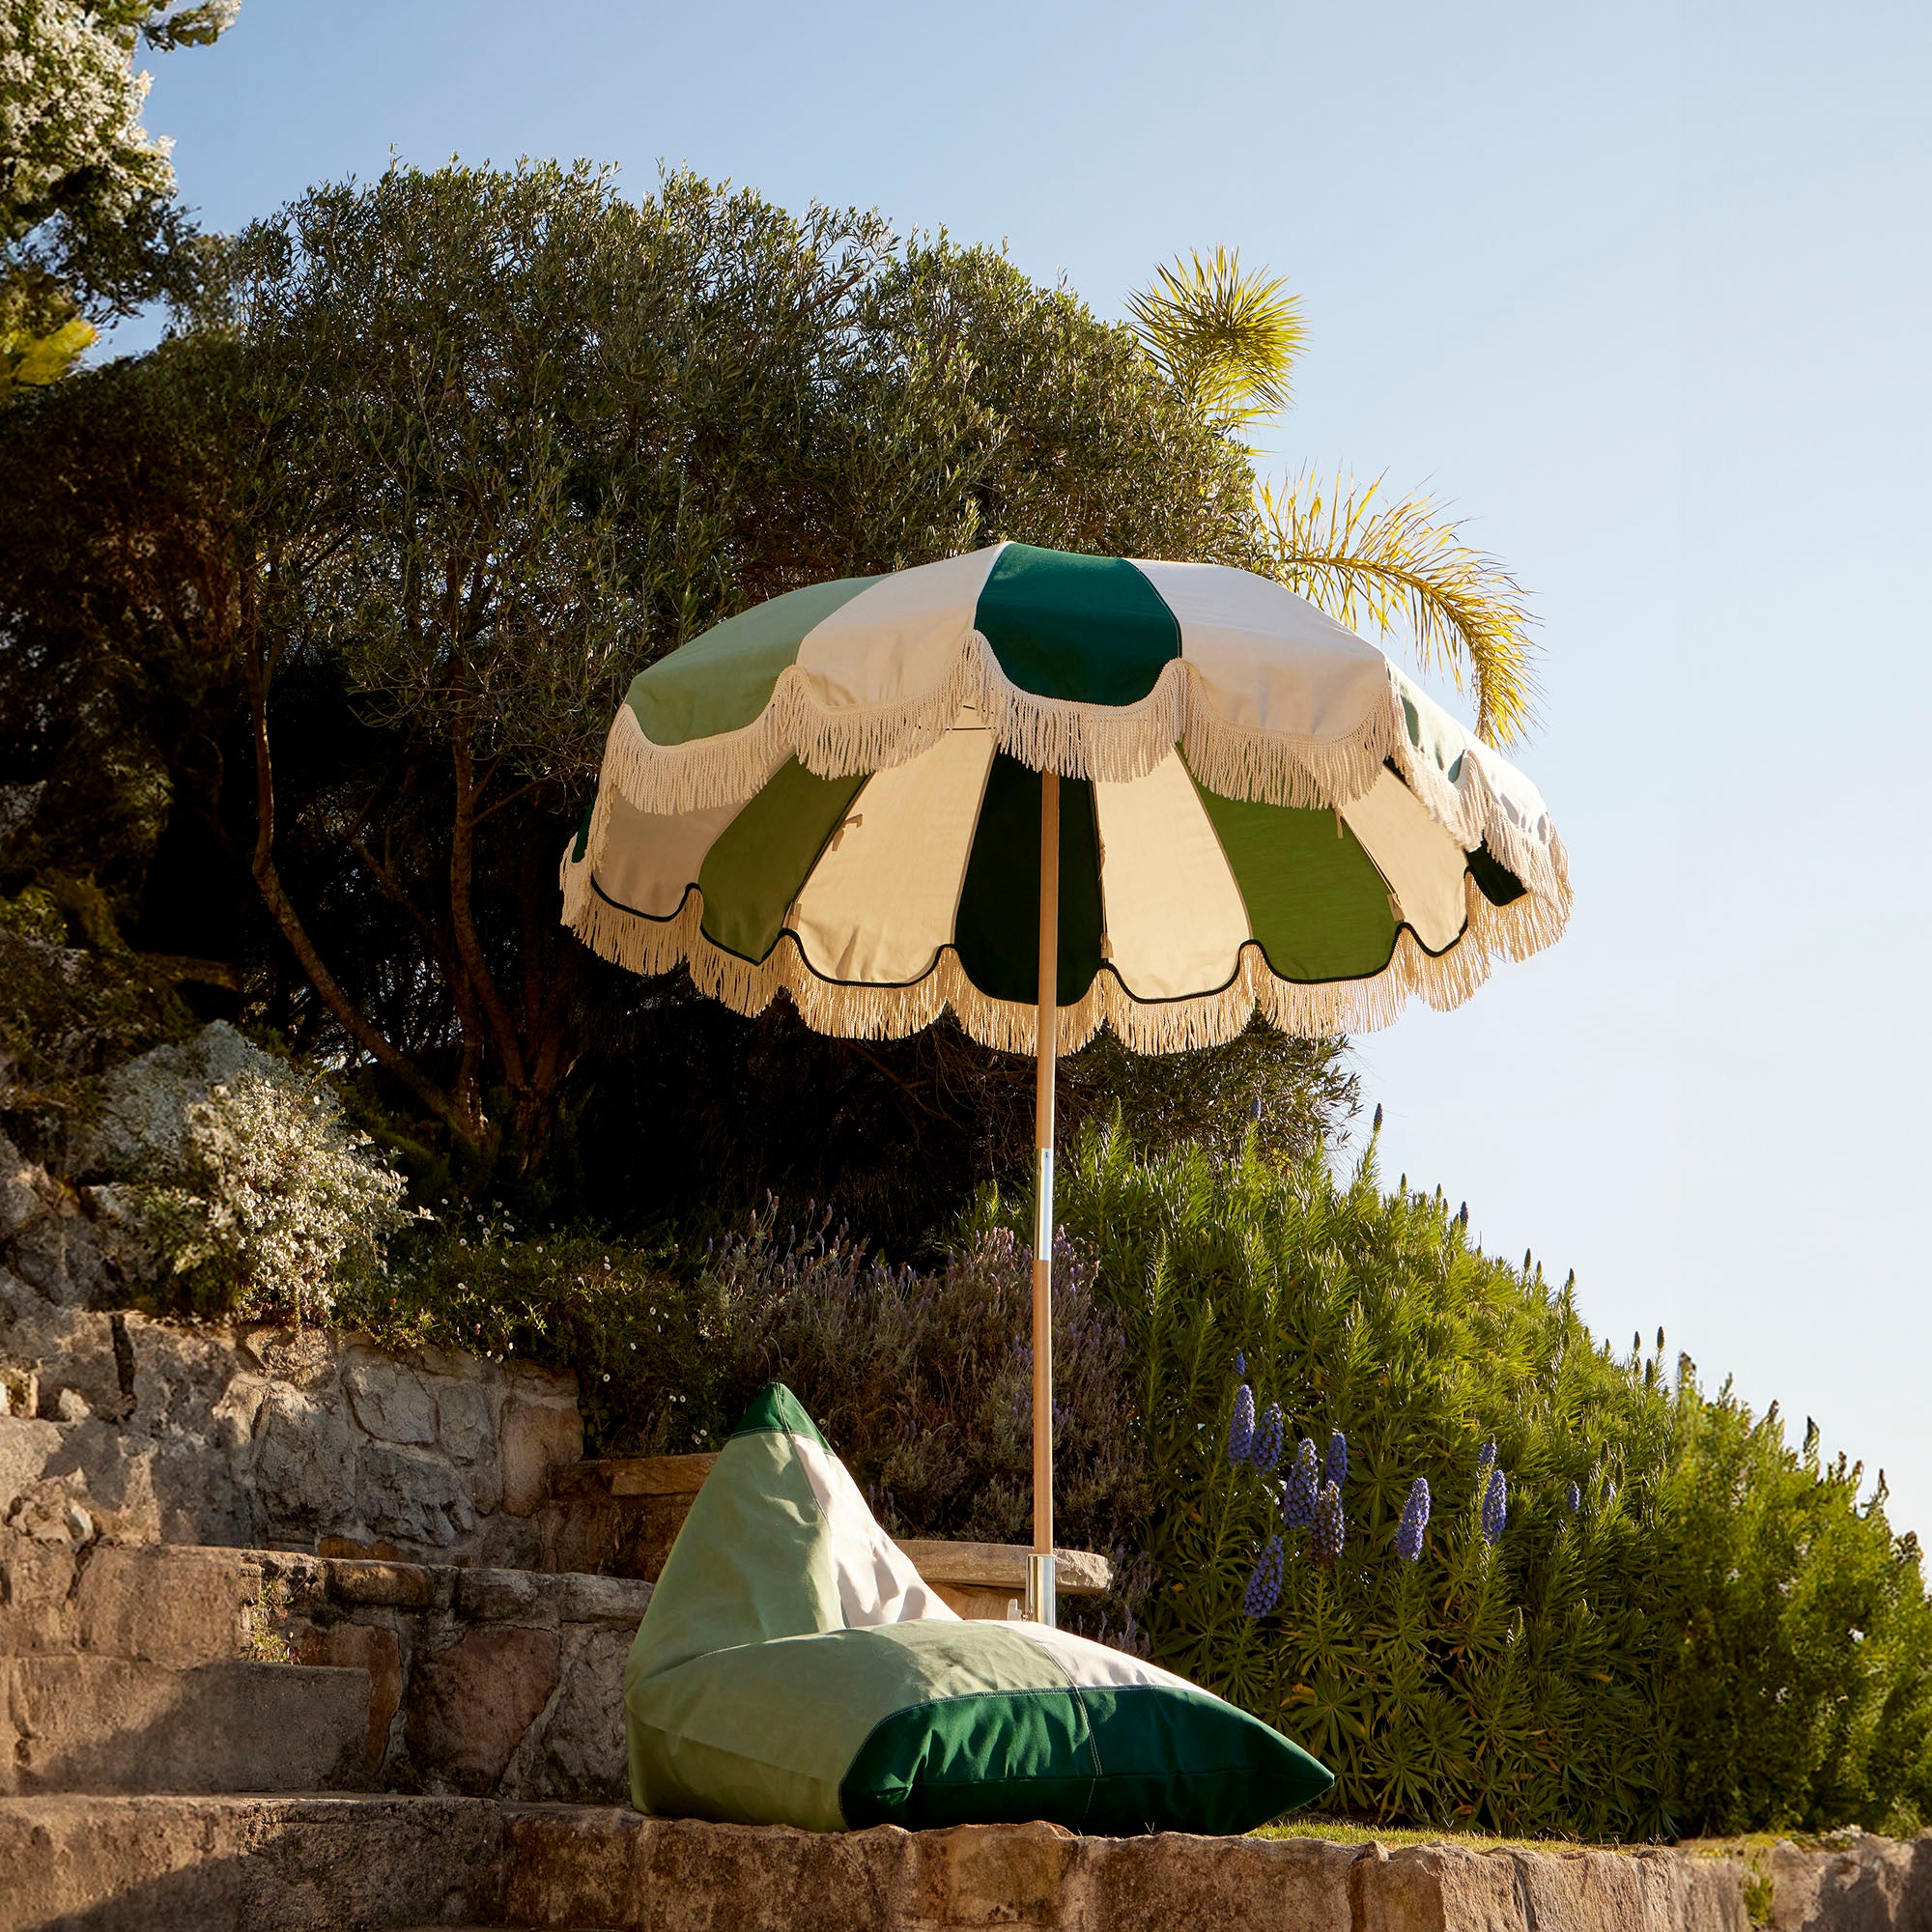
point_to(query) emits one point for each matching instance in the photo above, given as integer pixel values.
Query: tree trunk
(466, 1123)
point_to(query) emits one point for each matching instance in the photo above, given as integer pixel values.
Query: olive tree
(505, 436)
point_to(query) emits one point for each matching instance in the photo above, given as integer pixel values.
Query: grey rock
(199, 1495)
(114, 1470)
(618, 1602)
(389, 1399)
(538, 1435)
(59, 1252)
(504, 1597)
(412, 1498)
(190, 1381)
(19, 1196)
(64, 1349)
(304, 1467)
(309, 1359)
(465, 1424)
(26, 1447)
(51, 1510)
(96, 1724)
(584, 1754)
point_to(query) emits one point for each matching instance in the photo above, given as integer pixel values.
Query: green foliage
(270, 1201)
(313, 673)
(1401, 565)
(897, 1133)
(920, 1377)
(622, 1315)
(118, 590)
(1226, 339)
(1565, 1680)
(86, 210)
(1721, 1638)
(1799, 1656)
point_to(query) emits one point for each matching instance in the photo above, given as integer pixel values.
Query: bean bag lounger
(794, 1668)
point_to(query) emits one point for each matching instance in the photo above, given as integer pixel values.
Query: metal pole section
(1041, 1592)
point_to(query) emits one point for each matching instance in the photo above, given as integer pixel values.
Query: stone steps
(382, 1865)
(286, 1863)
(316, 1863)
(488, 1683)
(109, 1724)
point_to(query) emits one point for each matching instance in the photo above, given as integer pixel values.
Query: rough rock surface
(379, 1865)
(474, 1701)
(248, 1865)
(495, 1682)
(1860, 1883)
(165, 1431)
(102, 1723)
(578, 1867)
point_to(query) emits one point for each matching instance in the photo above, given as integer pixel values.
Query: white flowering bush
(270, 1199)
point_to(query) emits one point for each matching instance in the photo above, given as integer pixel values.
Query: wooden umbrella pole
(1041, 1591)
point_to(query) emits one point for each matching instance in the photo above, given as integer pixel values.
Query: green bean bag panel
(793, 1668)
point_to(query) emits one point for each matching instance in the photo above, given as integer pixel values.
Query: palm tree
(1228, 339)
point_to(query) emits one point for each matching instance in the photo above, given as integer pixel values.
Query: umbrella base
(1041, 1606)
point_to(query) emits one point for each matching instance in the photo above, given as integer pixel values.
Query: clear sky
(1645, 289)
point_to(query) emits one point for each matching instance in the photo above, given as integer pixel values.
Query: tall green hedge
(1716, 1636)
(1720, 1635)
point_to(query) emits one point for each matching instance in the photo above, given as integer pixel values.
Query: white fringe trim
(1168, 1026)
(1114, 744)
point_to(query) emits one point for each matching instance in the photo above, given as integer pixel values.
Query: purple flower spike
(1263, 1591)
(1335, 1465)
(1266, 1451)
(1415, 1521)
(1486, 1461)
(1496, 1507)
(1241, 1365)
(1331, 1525)
(1242, 1429)
(1297, 1495)
(1575, 1498)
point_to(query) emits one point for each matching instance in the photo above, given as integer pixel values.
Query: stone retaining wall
(142, 1432)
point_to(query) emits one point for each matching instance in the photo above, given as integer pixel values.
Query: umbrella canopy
(837, 793)
(1051, 793)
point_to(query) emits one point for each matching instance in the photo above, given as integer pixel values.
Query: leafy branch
(1401, 564)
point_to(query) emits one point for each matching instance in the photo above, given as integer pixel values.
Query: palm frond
(1225, 336)
(1402, 565)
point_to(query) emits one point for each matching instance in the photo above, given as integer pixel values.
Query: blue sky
(1644, 291)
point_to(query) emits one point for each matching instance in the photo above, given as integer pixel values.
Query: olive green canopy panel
(793, 1668)
(837, 793)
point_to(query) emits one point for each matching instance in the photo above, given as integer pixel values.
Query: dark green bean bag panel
(793, 1668)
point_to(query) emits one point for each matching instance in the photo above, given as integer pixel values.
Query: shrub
(1716, 1638)
(921, 1378)
(1670, 1622)
(270, 1199)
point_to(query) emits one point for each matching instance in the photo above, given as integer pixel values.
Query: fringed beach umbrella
(1051, 793)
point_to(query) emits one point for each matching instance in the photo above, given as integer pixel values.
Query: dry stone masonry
(158, 1431)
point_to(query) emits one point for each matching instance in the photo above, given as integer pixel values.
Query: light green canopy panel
(837, 794)
(793, 1668)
